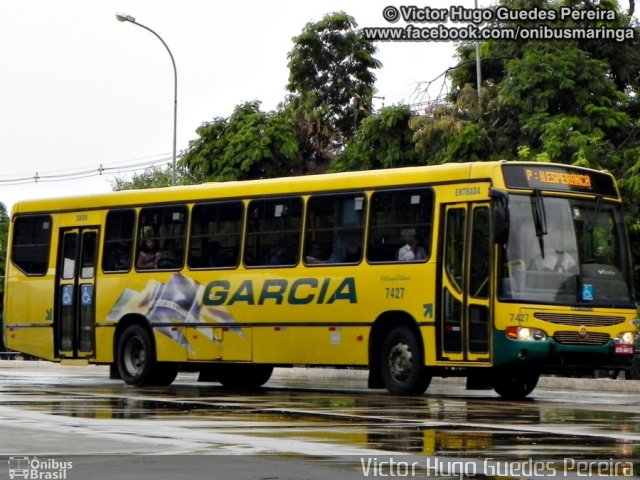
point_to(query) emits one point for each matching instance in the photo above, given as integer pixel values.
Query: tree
(566, 101)
(332, 83)
(152, 177)
(453, 132)
(383, 140)
(249, 144)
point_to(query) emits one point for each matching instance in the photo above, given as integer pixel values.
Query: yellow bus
(497, 271)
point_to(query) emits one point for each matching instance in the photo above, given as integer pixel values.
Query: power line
(85, 172)
(422, 97)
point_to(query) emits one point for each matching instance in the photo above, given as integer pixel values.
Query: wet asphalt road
(310, 424)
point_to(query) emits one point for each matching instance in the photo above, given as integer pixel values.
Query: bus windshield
(565, 251)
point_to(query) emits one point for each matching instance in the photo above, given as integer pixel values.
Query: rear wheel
(402, 367)
(514, 385)
(136, 359)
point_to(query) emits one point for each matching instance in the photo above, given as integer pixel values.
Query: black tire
(209, 373)
(136, 359)
(514, 385)
(164, 374)
(402, 366)
(244, 376)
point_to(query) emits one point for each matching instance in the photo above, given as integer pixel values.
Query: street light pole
(478, 68)
(128, 18)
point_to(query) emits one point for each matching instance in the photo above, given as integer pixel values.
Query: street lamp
(478, 68)
(121, 17)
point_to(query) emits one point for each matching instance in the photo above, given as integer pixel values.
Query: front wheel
(634, 371)
(136, 359)
(403, 370)
(513, 384)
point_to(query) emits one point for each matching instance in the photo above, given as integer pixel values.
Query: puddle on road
(426, 425)
(445, 424)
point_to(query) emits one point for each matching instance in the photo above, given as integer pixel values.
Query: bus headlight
(526, 334)
(626, 338)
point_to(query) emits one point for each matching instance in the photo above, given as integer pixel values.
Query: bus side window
(334, 229)
(161, 237)
(31, 244)
(273, 232)
(400, 225)
(118, 241)
(216, 232)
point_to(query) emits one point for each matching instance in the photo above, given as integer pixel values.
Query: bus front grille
(578, 320)
(588, 338)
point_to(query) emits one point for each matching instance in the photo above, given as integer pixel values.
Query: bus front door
(463, 325)
(74, 317)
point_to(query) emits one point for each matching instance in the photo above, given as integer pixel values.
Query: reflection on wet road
(308, 412)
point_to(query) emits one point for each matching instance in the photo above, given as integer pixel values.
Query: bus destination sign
(549, 177)
(559, 178)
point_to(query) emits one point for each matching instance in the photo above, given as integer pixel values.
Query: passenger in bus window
(339, 251)
(411, 251)
(118, 257)
(167, 256)
(280, 256)
(315, 255)
(555, 261)
(147, 255)
(338, 254)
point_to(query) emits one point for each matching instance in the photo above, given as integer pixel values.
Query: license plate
(624, 349)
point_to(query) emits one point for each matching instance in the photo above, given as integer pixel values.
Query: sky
(80, 90)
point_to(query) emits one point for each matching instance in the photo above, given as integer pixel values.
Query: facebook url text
(443, 33)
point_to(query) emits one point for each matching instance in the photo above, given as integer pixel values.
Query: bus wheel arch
(135, 354)
(396, 355)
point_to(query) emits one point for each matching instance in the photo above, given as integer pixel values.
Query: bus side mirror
(500, 212)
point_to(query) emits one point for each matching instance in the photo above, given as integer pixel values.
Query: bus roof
(450, 172)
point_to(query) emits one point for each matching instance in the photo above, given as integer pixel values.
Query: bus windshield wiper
(539, 217)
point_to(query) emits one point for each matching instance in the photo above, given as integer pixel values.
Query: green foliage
(383, 140)
(453, 132)
(567, 105)
(248, 144)
(332, 83)
(565, 101)
(151, 178)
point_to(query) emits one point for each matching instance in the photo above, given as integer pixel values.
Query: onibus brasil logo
(38, 469)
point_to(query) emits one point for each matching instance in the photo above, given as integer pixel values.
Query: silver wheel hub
(135, 356)
(399, 362)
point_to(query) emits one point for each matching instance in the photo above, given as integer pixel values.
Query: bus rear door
(463, 325)
(74, 317)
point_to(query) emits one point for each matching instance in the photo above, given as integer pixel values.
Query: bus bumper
(549, 356)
